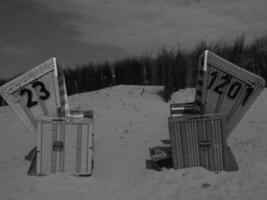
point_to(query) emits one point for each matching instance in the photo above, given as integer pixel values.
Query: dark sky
(31, 33)
(77, 32)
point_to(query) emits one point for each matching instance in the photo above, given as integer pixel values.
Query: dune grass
(174, 68)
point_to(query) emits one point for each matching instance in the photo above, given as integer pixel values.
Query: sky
(82, 31)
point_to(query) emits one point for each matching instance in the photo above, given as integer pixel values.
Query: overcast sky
(79, 31)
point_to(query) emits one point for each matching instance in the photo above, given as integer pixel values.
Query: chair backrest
(225, 87)
(40, 91)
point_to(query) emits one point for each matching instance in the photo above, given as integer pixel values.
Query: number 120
(233, 90)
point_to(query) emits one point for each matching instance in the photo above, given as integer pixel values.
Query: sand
(128, 120)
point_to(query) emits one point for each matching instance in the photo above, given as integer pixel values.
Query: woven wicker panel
(198, 141)
(65, 145)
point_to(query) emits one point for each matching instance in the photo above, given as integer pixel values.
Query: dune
(128, 120)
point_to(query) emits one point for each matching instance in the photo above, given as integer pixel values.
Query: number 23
(44, 93)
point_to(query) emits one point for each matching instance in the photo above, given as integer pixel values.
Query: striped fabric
(65, 145)
(180, 109)
(198, 140)
(84, 113)
(201, 83)
(227, 88)
(64, 105)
